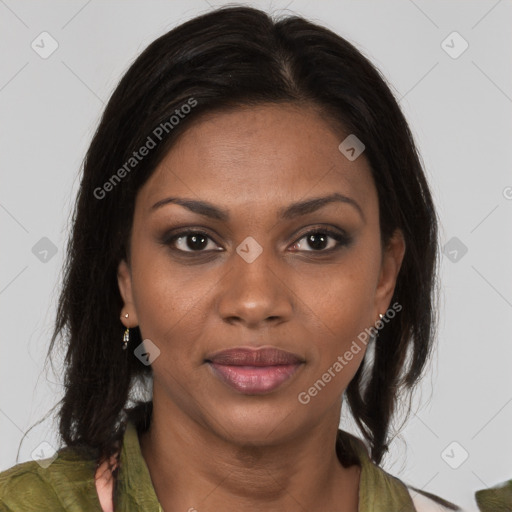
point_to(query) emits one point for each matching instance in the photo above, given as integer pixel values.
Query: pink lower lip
(254, 380)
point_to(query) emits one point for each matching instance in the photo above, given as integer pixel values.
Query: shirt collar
(135, 488)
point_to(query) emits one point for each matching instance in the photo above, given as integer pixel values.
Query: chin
(258, 426)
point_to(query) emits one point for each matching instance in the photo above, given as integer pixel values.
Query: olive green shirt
(68, 483)
(495, 499)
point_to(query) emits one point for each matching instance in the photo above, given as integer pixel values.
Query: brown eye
(190, 241)
(318, 240)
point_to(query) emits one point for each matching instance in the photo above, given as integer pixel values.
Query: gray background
(460, 112)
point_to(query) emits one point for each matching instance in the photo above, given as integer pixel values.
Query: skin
(209, 446)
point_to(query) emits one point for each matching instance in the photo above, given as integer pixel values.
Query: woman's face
(260, 278)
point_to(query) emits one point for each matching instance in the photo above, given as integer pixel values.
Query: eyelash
(340, 238)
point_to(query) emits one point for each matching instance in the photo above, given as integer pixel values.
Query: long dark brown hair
(229, 57)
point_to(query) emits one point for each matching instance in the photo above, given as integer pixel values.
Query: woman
(255, 240)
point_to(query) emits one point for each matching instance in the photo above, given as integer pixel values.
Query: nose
(255, 294)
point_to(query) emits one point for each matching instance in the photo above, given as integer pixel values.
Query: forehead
(253, 154)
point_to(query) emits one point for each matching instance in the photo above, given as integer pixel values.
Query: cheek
(339, 308)
(341, 297)
(169, 302)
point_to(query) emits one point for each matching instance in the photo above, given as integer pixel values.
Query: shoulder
(498, 497)
(49, 485)
(382, 491)
(24, 485)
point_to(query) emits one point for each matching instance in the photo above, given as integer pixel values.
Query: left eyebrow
(289, 212)
(315, 203)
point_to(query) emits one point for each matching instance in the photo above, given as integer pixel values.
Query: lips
(254, 357)
(254, 371)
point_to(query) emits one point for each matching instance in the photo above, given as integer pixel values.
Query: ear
(392, 257)
(124, 281)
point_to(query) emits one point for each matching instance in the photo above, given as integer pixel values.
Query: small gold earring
(381, 316)
(126, 338)
(126, 335)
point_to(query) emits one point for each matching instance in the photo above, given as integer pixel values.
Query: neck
(193, 467)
